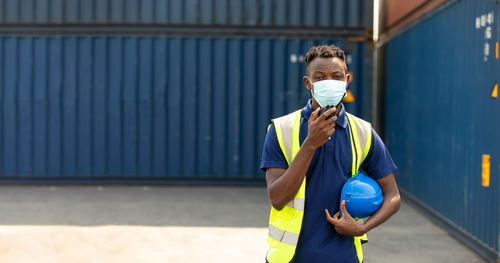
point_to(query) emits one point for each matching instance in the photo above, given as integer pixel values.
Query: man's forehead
(320, 63)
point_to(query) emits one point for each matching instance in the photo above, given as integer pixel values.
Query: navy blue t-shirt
(330, 168)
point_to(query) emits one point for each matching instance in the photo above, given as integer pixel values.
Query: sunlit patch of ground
(131, 244)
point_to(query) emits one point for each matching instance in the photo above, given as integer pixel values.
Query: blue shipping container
(146, 107)
(441, 118)
(324, 13)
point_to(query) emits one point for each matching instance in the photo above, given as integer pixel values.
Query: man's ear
(307, 82)
(348, 79)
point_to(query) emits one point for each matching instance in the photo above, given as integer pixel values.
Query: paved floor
(178, 224)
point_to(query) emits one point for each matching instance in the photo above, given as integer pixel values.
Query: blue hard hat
(362, 196)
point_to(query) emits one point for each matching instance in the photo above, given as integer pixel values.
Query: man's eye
(318, 78)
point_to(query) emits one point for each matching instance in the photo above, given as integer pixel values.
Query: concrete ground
(179, 224)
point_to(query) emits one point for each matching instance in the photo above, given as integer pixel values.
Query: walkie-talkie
(324, 109)
(327, 107)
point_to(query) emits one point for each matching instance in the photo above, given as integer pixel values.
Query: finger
(331, 131)
(323, 116)
(344, 211)
(327, 213)
(331, 111)
(328, 113)
(336, 215)
(328, 217)
(332, 120)
(314, 114)
(332, 125)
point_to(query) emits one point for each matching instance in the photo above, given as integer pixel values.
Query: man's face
(325, 68)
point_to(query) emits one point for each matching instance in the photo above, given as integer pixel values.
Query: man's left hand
(345, 225)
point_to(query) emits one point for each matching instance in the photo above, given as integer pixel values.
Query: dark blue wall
(147, 107)
(440, 117)
(173, 90)
(326, 13)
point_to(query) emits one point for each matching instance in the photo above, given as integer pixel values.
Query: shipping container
(442, 123)
(396, 10)
(165, 108)
(283, 13)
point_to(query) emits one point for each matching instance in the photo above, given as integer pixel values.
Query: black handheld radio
(327, 107)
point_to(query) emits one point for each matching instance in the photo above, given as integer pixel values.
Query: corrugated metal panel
(396, 10)
(441, 118)
(338, 13)
(145, 107)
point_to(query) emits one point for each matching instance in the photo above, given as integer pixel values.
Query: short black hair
(324, 51)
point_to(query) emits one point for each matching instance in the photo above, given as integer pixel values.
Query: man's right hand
(282, 185)
(319, 128)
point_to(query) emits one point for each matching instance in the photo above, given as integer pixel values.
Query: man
(301, 225)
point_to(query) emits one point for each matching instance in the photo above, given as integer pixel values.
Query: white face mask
(329, 92)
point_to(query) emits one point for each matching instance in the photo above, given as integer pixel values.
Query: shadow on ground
(134, 205)
(178, 219)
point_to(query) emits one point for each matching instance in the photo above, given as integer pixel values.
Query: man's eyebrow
(318, 71)
(334, 72)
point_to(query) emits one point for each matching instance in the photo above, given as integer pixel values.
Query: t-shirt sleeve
(272, 156)
(378, 163)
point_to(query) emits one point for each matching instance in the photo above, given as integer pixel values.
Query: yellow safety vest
(285, 225)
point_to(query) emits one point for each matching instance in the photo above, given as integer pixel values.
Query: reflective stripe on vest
(362, 131)
(361, 140)
(285, 224)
